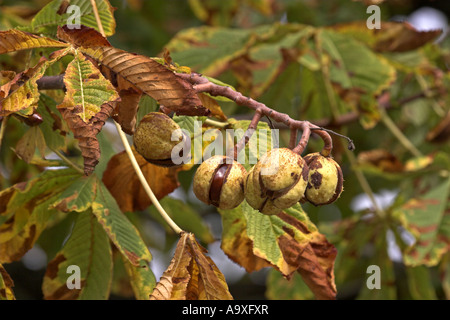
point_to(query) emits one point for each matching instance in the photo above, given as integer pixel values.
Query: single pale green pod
(277, 181)
(220, 181)
(156, 137)
(325, 179)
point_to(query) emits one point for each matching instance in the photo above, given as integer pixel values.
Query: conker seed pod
(325, 182)
(156, 136)
(277, 181)
(220, 181)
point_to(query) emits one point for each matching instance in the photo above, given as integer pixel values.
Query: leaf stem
(97, 18)
(387, 121)
(68, 161)
(144, 182)
(3, 129)
(216, 124)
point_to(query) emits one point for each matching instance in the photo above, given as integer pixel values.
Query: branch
(202, 84)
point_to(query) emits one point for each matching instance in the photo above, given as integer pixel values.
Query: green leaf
(79, 196)
(420, 283)
(88, 249)
(427, 218)
(52, 127)
(279, 288)
(261, 141)
(120, 230)
(48, 19)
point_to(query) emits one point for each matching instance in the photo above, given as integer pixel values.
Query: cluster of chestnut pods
(280, 179)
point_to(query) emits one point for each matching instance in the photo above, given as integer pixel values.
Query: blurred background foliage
(361, 235)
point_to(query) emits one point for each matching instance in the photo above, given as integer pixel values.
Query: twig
(399, 134)
(202, 84)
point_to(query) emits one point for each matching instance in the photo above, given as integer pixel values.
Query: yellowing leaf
(191, 275)
(86, 88)
(14, 40)
(26, 209)
(288, 241)
(23, 94)
(6, 285)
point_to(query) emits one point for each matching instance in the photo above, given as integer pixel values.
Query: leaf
(150, 77)
(212, 105)
(279, 288)
(89, 101)
(88, 249)
(289, 242)
(53, 128)
(236, 243)
(428, 218)
(55, 14)
(125, 186)
(120, 230)
(27, 145)
(86, 87)
(23, 94)
(141, 278)
(392, 37)
(26, 209)
(191, 275)
(14, 40)
(6, 285)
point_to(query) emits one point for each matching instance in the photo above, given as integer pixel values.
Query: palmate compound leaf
(191, 275)
(89, 195)
(89, 101)
(288, 241)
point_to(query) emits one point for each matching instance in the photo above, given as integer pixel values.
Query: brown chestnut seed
(325, 182)
(220, 181)
(155, 138)
(277, 181)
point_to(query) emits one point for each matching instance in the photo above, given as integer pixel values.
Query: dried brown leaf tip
(191, 275)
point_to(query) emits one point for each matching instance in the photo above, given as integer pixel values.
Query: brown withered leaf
(191, 275)
(123, 183)
(83, 37)
(382, 159)
(213, 106)
(86, 132)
